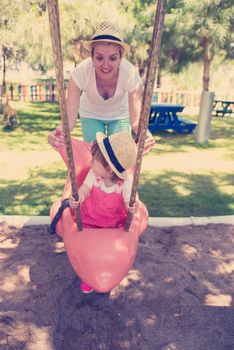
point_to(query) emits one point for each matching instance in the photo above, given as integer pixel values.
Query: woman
(105, 89)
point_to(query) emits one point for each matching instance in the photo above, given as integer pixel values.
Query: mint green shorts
(90, 127)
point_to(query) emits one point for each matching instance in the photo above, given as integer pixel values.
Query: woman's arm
(56, 137)
(134, 100)
(72, 102)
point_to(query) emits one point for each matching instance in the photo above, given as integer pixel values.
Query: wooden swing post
(53, 11)
(146, 99)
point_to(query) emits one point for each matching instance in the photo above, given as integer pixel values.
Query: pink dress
(102, 209)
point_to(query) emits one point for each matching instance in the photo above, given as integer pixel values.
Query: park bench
(164, 117)
(221, 108)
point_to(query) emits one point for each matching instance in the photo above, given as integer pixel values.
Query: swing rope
(53, 11)
(146, 99)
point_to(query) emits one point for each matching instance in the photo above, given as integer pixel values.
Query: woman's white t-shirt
(92, 104)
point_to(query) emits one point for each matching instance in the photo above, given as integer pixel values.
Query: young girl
(104, 196)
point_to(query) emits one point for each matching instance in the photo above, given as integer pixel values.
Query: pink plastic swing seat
(101, 257)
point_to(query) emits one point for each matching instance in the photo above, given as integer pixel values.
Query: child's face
(100, 171)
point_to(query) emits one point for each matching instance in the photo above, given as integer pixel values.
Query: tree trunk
(141, 65)
(3, 71)
(159, 76)
(207, 62)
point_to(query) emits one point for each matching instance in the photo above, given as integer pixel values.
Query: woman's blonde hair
(93, 45)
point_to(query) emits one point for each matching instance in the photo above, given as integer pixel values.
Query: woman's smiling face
(106, 59)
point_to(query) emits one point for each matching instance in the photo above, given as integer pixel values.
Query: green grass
(37, 119)
(221, 136)
(33, 195)
(177, 192)
(180, 194)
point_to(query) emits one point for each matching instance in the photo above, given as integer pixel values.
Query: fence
(46, 91)
(187, 99)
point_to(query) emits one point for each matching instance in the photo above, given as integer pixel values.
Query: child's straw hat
(108, 32)
(119, 151)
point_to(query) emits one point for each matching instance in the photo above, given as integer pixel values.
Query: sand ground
(179, 295)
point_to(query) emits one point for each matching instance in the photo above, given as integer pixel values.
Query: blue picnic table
(221, 108)
(164, 117)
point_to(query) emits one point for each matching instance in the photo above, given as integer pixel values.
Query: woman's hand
(56, 138)
(149, 142)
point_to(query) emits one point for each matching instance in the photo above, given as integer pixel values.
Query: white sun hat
(108, 32)
(119, 150)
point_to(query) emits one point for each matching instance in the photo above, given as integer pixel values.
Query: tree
(197, 30)
(139, 35)
(34, 35)
(11, 50)
(193, 31)
(79, 20)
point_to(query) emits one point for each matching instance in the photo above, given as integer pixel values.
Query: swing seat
(101, 257)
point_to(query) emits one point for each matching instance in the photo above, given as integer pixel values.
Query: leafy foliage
(197, 31)
(193, 29)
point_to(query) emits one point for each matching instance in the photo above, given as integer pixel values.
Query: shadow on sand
(177, 296)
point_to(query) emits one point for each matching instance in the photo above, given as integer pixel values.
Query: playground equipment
(101, 257)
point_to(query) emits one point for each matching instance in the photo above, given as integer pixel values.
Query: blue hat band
(112, 156)
(108, 37)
